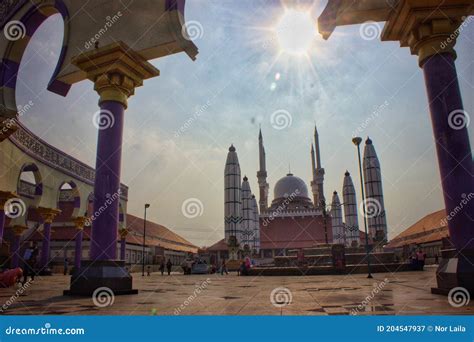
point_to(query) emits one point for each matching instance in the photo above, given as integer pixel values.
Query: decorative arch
(21, 30)
(27, 189)
(69, 200)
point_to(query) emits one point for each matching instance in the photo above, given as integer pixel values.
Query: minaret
(374, 193)
(319, 172)
(314, 184)
(232, 203)
(262, 175)
(256, 226)
(338, 235)
(350, 212)
(247, 216)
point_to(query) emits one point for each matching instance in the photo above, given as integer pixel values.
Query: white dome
(290, 186)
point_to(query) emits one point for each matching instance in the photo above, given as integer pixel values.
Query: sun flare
(296, 32)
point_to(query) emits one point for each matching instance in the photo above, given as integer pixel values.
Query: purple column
(2, 224)
(45, 248)
(107, 183)
(78, 250)
(16, 251)
(452, 147)
(123, 245)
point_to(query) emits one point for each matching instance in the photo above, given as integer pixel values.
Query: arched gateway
(115, 57)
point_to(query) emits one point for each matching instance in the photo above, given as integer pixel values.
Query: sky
(180, 125)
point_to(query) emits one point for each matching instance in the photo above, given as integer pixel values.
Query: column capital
(48, 214)
(5, 196)
(79, 222)
(427, 27)
(19, 230)
(123, 233)
(116, 71)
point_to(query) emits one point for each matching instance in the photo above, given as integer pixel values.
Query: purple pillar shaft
(452, 147)
(2, 225)
(16, 251)
(107, 184)
(45, 248)
(78, 250)
(123, 245)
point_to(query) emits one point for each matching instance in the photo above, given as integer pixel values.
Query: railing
(38, 149)
(27, 189)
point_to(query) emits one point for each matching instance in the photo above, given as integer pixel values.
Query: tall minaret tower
(338, 234)
(247, 215)
(262, 175)
(256, 226)
(314, 184)
(232, 203)
(318, 177)
(350, 211)
(375, 207)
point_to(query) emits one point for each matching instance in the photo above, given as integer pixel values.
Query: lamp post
(144, 234)
(357, 141)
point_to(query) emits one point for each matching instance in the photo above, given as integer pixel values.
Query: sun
(296, 32)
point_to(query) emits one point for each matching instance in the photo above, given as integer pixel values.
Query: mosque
(293, 219)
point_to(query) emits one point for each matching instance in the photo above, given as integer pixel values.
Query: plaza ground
(406, 293)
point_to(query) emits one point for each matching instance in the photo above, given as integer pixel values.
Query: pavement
(404, 293)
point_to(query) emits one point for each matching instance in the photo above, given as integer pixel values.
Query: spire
(316, 141)
(262, 174)
(261, 149)
(313, 163)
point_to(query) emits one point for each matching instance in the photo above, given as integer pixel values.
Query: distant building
(427, 234)
(160, 242)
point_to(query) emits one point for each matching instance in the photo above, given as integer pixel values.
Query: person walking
(30, 258)
(224, 267)
(66, 264)
(162, 267)
(169, 264)
(420, 257)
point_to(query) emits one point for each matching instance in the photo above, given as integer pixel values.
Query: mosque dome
(289, 185)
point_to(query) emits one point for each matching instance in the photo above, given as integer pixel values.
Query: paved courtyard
(403, 294)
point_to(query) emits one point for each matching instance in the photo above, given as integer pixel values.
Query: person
(169, 264)
(420, 257)
(162, 266)
(65, 266)
(148, 271)
(30, 257)
(224, 267)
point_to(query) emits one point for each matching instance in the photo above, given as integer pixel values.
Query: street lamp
(357, 141)
(144, 234)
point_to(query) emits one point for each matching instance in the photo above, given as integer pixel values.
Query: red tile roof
(432, 227)
(156, 235)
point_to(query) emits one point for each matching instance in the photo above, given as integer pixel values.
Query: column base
(101, 273)
(455, 270)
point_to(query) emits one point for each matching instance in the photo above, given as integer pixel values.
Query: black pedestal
(102, 273)
(455, 270)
